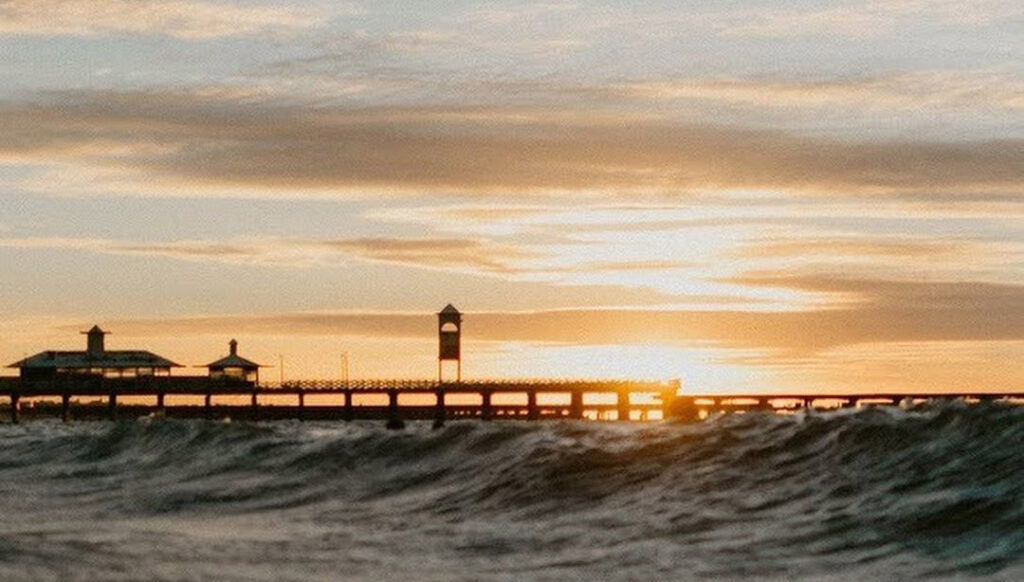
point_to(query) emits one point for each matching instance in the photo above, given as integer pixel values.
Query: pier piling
(65, 406)
(439, 409)
(576, 404)
(15, 406)
(486, 413)
(622, 405)
(395, 421)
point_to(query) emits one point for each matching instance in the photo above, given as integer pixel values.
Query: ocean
(932, 493)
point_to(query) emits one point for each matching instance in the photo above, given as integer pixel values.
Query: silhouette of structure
(449, 331)
(98, 372)
(95, 360)
(234, 367)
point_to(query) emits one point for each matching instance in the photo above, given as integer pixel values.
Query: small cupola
(94, 341)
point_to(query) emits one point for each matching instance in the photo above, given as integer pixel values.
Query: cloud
(186, 143)
(887, 312)
(476, 255)
(869, 18)
(185, 19)
(970, 92)
(871, 248)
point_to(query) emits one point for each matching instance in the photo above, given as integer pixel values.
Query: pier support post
(160, 402)
(15, 407)
(622, 405)
(576, 404)
(65, 406)
(255, 405)
(208, 404)
(112, 406)
(684, 409)
(531, 405)
(439, 411)
(808, 404)
(486, 412)
(302, 404)
(395, 421)
(347, 415)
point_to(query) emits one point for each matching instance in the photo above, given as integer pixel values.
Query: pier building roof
(233, 360)
(94, 357)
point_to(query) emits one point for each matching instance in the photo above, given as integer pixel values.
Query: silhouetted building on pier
(95, 360)
(234, 367)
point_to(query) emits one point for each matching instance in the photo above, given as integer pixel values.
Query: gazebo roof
(233, 361)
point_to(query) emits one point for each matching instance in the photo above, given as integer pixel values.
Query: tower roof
(449, 309)
(95, 329)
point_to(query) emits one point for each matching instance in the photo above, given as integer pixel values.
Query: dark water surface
(879, 493)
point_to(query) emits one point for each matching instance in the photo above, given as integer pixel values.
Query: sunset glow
(764, 198)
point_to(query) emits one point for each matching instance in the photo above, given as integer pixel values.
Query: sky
(746, 195)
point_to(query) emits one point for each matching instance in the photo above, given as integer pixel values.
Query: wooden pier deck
(399, 400)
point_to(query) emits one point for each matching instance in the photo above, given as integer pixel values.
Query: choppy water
(936, 493)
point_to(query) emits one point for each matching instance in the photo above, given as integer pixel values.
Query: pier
(393, 401)
(398, 401)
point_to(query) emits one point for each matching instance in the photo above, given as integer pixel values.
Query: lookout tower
(449, 331)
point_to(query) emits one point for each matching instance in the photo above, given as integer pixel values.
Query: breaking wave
(876, 493)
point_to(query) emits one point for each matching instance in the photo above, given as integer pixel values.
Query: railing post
(395, 421)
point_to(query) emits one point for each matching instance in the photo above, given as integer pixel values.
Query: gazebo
(234, 367)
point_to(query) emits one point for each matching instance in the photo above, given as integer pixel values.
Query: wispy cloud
(889, 312)
(869, 248)
(477, 255)
(866, 18)
(164, 143)
(184, 19)
(965, 91)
